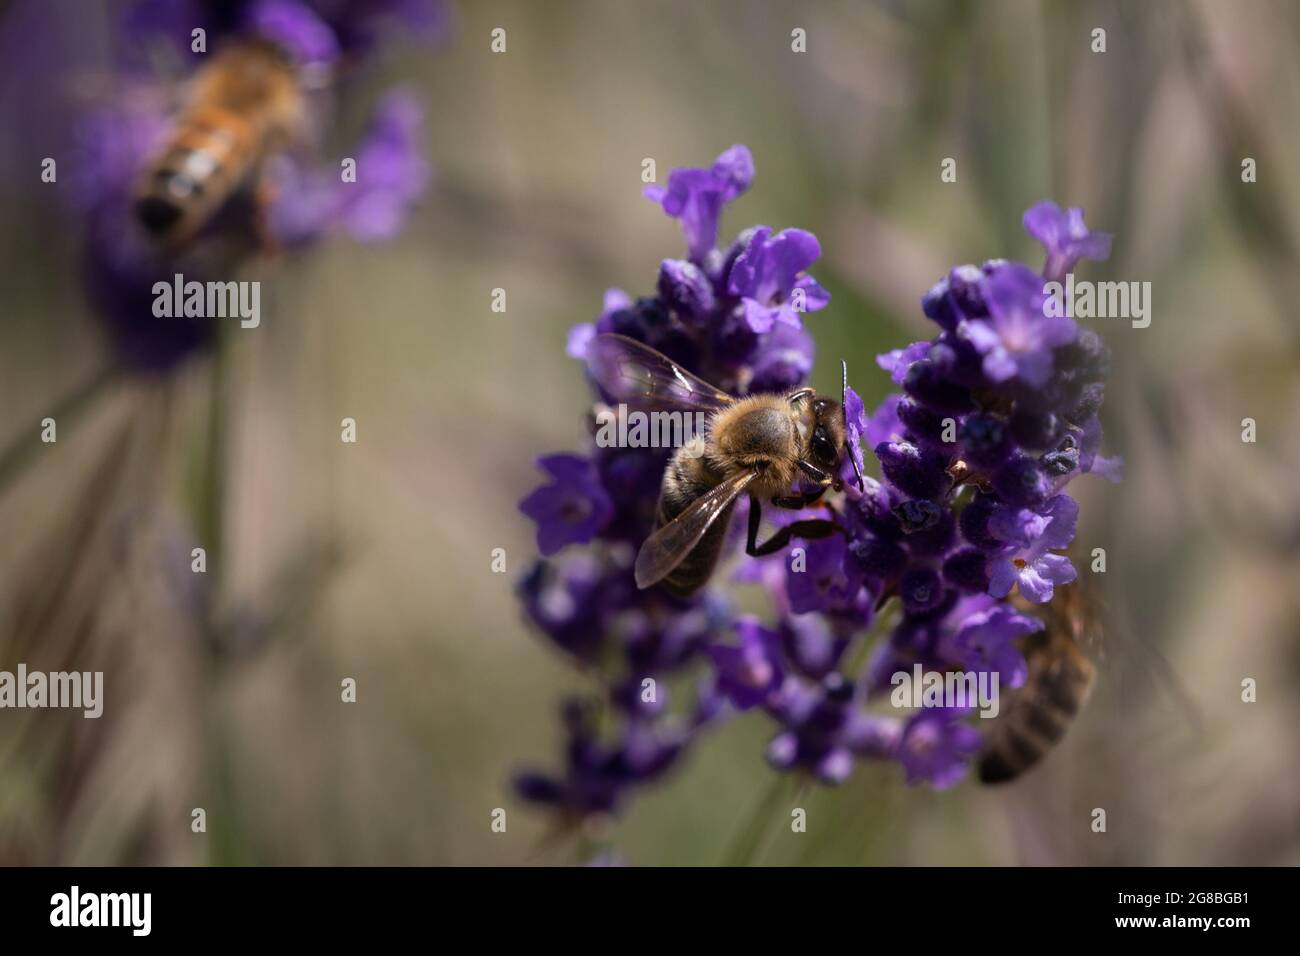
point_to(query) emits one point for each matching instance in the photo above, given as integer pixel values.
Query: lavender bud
(920, 589)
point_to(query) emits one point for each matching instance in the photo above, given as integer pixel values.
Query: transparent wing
(666, 548)
(635, 374)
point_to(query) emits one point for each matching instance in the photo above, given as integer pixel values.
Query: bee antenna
(844, 405)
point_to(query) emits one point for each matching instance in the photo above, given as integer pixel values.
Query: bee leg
(264, 196)
(810, 528)
(815, 473)
(822, 477)
(799, 501)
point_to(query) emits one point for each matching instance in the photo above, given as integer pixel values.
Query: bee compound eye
(821, 445)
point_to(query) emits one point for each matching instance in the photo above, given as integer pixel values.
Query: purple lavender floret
(597, 772)
(936, 748)
(750, 673)
(1065, 237)
(572, 508)
(825, 730)
(1028, 562)
(826, 582)
(770, 279)
(993, 417)
(296, 28)
(696, 197)
(392, 174)
(1017, 340)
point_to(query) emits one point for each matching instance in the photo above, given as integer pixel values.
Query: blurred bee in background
(762, 444)
(1060, 680)
(243, 106)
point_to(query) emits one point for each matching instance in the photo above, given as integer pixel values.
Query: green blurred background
(373, 560)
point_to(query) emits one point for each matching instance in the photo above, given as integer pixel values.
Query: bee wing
(666, 548)
(632, 372)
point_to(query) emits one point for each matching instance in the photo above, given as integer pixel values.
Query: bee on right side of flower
(1061, 676)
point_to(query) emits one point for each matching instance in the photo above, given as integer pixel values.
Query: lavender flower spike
(990, 421)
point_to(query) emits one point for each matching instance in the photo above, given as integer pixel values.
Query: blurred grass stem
(229, 836)
(25, 448)
(752, 834)
(213, 501)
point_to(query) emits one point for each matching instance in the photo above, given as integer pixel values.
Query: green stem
(855, 660)
(751, 836)
(23, 450)
(212, 513)
(226, 833)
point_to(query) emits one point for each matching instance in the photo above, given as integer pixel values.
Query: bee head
(157, 215)
(827, 440)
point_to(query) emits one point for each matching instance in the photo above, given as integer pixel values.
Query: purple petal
(1112, 469)
(1045, 222)
(897, 362)
(790, 252)
(873, 736)
(757, 317)
(1086, 244)
(579, 337)
(1062, 513)
(856, 426)
(684, 286)
(573, 508)
(787, 316)
(835, 767)
(734, 167)
(391, 171)
(1065, 237)
(1055, 569)
(1003, 575)
(937, 749)
(1019, 526)
(748, 269)
(815, 298)
(296, 29)
(769, 270)
(391, 175)
(1034, 587)
(784, 360)
(1033, 369)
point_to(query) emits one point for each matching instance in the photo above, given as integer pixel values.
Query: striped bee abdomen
(689, 475)
(1040, 712)
(207, 159)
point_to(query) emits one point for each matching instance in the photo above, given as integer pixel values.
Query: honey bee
(243, 106)
(1060, 679)
(762, 444)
